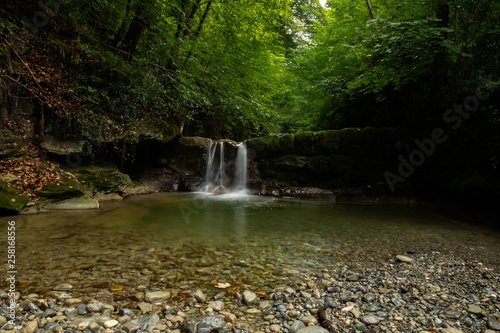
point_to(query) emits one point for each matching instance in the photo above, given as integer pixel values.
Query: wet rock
(145, 307)
(473, 308)
(82, 309)
(110, 323)
(147, 321)
(297, 326)
(203, 324)
(216, 305)
(453, 314)
(230, 318)
(249, 297)
(313, 329)
(451, 330)
(31, 307)
(63, 287)
(370, 320)
(82, 326)
(94, 327)
(309, 320)
(352, 277)
(368, 298)
(49, 313)
(126, 312)
(31, 326)
(131, 327)
(51, 326)
(74, 204)
(493, 323)
(404, 258)
(72, 301)
(200, 296)
(157, 296)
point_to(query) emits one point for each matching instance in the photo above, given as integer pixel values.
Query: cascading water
(240, 169)
(218, 172)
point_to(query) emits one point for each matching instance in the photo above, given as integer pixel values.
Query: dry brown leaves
(33, 174)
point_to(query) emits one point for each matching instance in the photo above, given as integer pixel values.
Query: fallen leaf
(222, 285)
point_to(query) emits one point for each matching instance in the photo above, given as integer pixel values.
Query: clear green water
(289, 234)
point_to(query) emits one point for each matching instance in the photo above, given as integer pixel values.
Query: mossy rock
(287, 144)
(351, 142)
(321, 164)
(305, 143)
(106, 180)
(7, 194)
(327, 142)
(263, 147)
(290, 162)
(474, 183)
(67, 190)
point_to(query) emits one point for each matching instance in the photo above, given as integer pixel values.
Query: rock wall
(335, 159)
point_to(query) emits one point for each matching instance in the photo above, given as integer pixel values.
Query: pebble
(49, 313)
(309, 320)
(216, 305)
(200, 296)
(110, 323)
(31, 326)
(249, 297)
(230, 318)
(275, 328)
(131, 327)
(72, 301)
(473, 308)
(157, 296)
(370, 320)
(94, 327)
(404, 258)
(493, 323)
(313, 329)
(82, 326)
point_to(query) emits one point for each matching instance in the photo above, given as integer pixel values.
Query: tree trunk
(134, 34)
(123, 27)
(370, 9)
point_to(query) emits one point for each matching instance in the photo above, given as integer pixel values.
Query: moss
(327, 142)
(290, 162)
(351, 142)
(287, 144)
(260, 148)
(7, 194)
(102, 179)
(68, 189)
(304, 143)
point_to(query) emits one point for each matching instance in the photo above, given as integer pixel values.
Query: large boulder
(327, 142)
(61, 191)
(104, 179)
(74, 204)
(290, 162)
(11, 200)
(264, 147)
(305, 143)
(351, 142)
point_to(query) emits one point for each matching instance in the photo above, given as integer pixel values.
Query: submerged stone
(203, 324)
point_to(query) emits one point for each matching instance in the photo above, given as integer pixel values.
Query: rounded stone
(110, 323)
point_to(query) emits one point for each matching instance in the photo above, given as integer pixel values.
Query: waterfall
(222, 170)
(217, 178)
(210, 174)
(240, 170)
